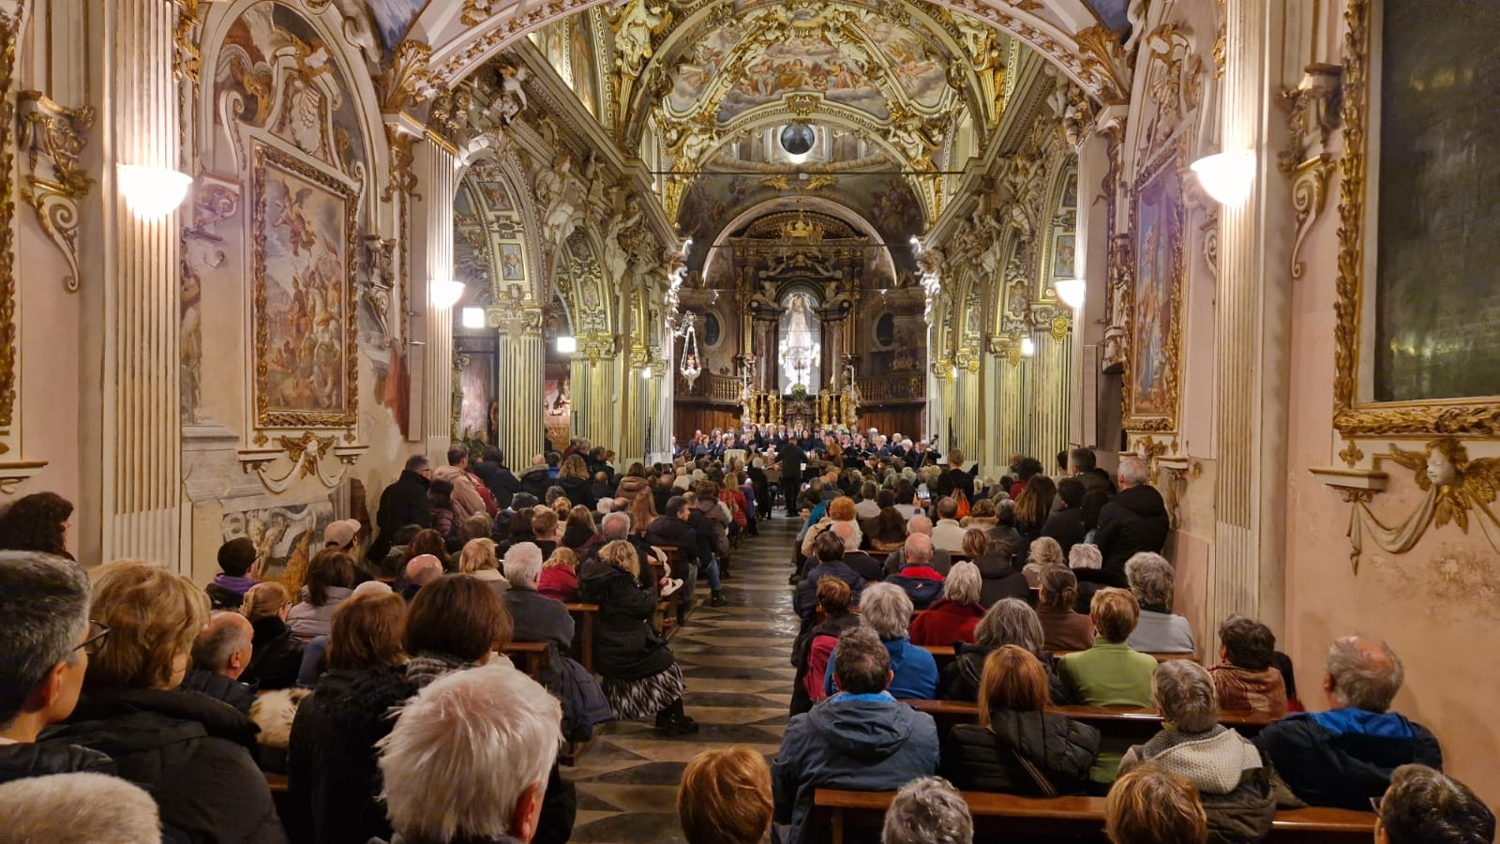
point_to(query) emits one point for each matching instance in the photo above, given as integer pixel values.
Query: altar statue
(800, 343)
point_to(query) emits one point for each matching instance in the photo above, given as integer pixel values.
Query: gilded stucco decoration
(1352, 415)
(1459, 490)
(1313, 114)
(10, 27)
(306, 455)
(54, 137)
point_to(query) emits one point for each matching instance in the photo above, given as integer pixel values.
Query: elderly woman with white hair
(1159, 631)
(928, 810)
(953, 617)
(1226, 768)
(1087, 563)
(1010, 621)
(887, 610)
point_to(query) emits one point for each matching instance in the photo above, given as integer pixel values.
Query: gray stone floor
(737, 663)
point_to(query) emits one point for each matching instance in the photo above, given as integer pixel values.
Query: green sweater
(1108, 674)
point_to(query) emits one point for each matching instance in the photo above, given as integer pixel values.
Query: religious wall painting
(285, 537)
(1064, 256)
(713, 330)
(479, 408)
(512, 262)
(557, 404)
(803, 64)
(581, 56)
(393, 18)
(1152, 374)
(303, 284)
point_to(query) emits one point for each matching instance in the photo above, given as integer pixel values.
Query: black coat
(986, 759)
(625, 646)
(1066, 526)
(578, 491)
(402, 503)
(502, 482)
(194, 755)
(21, 761)
(332, 777)
(220, 688)
(1134, 521)
(1342, 769)
(536, 480)
(801, 701)
(955, 479)
(672, 532)
(960, 680)
(1000, 580)
(275, 656)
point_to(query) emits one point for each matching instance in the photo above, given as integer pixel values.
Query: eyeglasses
(98, 635)
(1375, 805)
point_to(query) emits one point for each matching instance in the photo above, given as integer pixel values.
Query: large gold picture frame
(1353, 416)
(305, 326)
(1158, 223)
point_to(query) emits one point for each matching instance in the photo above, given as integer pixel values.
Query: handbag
(1048, 789)
(963, 503)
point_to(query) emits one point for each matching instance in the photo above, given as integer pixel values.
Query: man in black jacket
(1135, 521)
(45, 643)
(502, 483)
(954, 478)
(221, 654)
(403, 503)
(793, 458)
(671, 530)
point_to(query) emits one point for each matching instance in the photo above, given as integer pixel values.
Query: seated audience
(1018, 747)
(1109, 673)
(421, 571)
(829, 548)
(813, 649)
(1065, 525)
(996, 567)
(1063, 629)
(861, 738)
(559, 578)
(641, 676)
(1232, 782)
(37, 522)
(579, 530)
(726, 797)
(46, 640)
(1159, 631)
(1086, 563)
(1152, 806)
(921, 582)
(868, 567)
(221, 653)
(330, 579)
(840, 510)
(332, 778)
(275, 654)
(431, 543)
(953, 617)
(1009, 622)
(486, 741)
(1423, 806)
(942, 560)
(193, 754)
(928, 811)
(236, 558)
(887, 610)
(887, 532)
(1346, 755)
(947, 533)
(452, 624)
(478, 561)
(1135, 520)
(1248, 680)
(77, 808)
(1043, 554)
(544, 526)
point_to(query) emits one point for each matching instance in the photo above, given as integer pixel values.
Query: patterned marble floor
(739, 679)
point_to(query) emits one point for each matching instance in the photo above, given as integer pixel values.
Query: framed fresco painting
(512, 262)
(302, 287)
(1415, 350)
(1152, 362)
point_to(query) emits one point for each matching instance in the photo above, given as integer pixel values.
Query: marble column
(1092, 265)
(436, 168)
(132, 473)
(523, 366)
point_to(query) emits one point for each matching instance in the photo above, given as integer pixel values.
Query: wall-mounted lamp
(566, 344)
(152, 192)
(1028, 347)
(1071, 291)
(445, 294)
(1227, 176)
(473, 317)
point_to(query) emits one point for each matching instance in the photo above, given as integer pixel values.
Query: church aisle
(739, 676)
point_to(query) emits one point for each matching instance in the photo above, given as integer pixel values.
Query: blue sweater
(915, 669)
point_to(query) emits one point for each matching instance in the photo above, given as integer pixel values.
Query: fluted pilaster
(523, 365)
(432, 261)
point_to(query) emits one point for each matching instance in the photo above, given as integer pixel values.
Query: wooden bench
(584, 617)
(942, 654)
(1111, 722)
(276, 782)
(532, 657)
(855, 817)
(1157, 657)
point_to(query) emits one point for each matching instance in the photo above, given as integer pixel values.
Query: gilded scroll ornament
(1312, 117)
(407, 80)
(1457, 488)
(53, 138)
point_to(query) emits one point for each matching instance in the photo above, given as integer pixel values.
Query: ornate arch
(493, 147)
(788, 203)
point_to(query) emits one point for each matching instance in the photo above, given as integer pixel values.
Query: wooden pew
(1157, 657)
(276, 782)
(854, 817)
(1133, 724)
(584, 616)
(531, 657)
(942, 654)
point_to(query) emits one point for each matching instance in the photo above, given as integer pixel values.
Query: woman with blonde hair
(559, 578)
(726, 797)
(194, 754)
(641, 675)
(1018, 747)
(275, 654)
(573, 477)
(478, 560)
(544, 526)
(1152, 806)
(1044, 553)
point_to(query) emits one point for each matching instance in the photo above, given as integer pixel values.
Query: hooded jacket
(21, 761)
(921, 583)
(1344, 757)
(502, 483)
(1000, 580)
(856, 742)
(466, 499)
(1132, 522)
(625, 646)
(1232, 781)
(805, 601)
(194, 755)
(979, 758)
(808, 669)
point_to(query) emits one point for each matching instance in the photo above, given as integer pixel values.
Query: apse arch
(793, 203)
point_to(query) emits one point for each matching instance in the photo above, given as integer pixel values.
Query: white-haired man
(484, 739)
(1135, 520)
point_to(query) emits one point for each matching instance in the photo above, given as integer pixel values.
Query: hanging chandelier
(690, 367)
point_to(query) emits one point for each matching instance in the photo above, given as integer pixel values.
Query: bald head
(918, 549)
(1362, 673)
(845, 532)
(919, 524)
(423, 569)
(224, 646)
